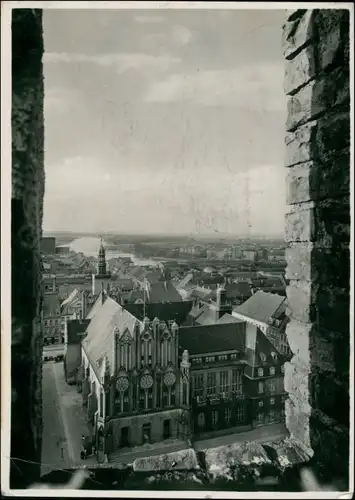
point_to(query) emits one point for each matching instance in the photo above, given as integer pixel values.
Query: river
(89, 246)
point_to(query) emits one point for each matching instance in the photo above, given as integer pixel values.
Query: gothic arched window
(146, 350)
(126, 351)
(166, 348)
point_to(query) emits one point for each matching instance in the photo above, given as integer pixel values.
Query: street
(63, 421)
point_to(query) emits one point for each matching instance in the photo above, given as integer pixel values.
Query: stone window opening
(307, 225)
(240, 413)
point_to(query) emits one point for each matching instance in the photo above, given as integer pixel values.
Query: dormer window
(262, 356)
(274, 356)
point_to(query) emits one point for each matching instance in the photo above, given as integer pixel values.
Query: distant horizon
(167, 235)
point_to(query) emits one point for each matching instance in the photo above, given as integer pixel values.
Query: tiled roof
(65, 290)
(100, 332)
(200, 292)
(212, 338)
(95, 308)
(74, 295)
(163, 291)
(153, 277)
(186, 280)
(136, 271)
(125, 282)
(228, 318)
(261, 306)
(135, 295)
(207, 316)
(261, 345)
(238, 290)
(244, 275)
(74, 328)
(169, 311)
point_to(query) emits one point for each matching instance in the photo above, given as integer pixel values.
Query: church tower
(101, 264)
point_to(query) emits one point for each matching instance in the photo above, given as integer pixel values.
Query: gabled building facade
(267, 312)
(236, 378)
(132, 381)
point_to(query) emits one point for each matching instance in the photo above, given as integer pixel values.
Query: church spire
(101, 266)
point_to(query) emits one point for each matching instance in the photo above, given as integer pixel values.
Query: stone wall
(316, 50)
(27, 203)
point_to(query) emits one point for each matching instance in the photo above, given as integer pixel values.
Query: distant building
(47, 245)
(277, 255)
(236, 378)
(74, 333)
(162, 291)
(250, 254)
(266, 312)
(62, 250)
(52, 319)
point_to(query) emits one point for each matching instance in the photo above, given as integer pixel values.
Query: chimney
(83, 304)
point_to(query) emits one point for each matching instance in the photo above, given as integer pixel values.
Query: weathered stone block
(330, 265)
(300, 70)
(332, 307)
(297, 34)
(333, 29)
(298, 336)
(333, 134)
(298, 183)
(296, 378)
(308, 262)
(332, 227)
(300, 144)
(329, 394)
(293, 14)
(298, 258)
(318, 97)
(300, 301)
(330, 443)
(299, 225)
(332, 90)
(330, 179)
(321, 353)
(297, 414)
(299, 107)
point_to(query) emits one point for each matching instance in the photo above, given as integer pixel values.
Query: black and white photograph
(176, 249)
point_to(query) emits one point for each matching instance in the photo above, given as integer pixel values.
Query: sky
(164, 121)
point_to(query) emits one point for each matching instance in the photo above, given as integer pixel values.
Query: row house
(236, 378)
(267, 312)
(52, 319)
